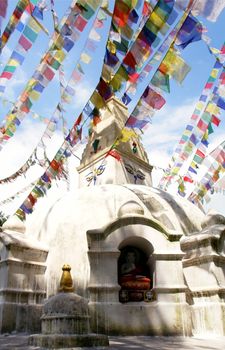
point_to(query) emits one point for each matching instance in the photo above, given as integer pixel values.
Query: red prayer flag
(6, 75)
(80, 23)
(215, 120)
(133, 77)
(130, 60)
(187, 179)
(202, 126)
(200, 153)
(48, 73)
(77, 122)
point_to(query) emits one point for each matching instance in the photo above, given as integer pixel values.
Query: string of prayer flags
(141, 48)
(198, 122)
(90, 47)
(53, 171)
(21, 6)
(208, 9)
(23, 190)
(77, 20)
(26, 40)
(75, 133)
(159, 79)
(119, 38)
(216, 165)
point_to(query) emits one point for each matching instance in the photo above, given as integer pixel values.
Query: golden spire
(66, 282)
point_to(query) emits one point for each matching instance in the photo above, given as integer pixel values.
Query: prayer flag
(3, 7)
(153, 99)
(26, 44)
(161, 81)
(215, 120)
(190, 31)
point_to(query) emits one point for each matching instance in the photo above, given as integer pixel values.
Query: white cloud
(165, 131)
(83, 92)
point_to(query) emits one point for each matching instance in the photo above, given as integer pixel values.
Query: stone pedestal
(65, 324)
(203, 266)
(22, 284)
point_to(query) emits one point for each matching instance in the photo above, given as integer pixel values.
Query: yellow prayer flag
(59, 55)
(174, 65)
(34, 25)
(13, 63)
(199, 105)
(34, 95)
(31, 83)
(127, 134)
(10, 117)
(175, 170)
(156, 19)
(111, 47)
(212, 108)
(97, 100)
(85, 58)
(214, 73)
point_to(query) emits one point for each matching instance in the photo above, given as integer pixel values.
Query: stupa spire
(127, 162)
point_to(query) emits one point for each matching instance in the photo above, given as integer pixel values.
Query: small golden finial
(66, 282)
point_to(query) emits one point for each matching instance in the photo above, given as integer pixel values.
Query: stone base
(56, 341)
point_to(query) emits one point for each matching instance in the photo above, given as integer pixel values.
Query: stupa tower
(126, 163)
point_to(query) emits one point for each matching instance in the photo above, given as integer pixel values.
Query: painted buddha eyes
(96, 172)
(136, 173)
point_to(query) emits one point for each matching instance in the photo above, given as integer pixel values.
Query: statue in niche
(133, 275)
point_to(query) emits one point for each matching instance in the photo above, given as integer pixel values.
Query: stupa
(148, 262)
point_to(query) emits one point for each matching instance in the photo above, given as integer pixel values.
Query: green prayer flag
(161, 81)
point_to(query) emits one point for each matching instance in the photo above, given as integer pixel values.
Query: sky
(159, 139)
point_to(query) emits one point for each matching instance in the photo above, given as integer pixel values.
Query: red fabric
(134, 77)
(208, 85)
(146, 9)
(114, 154)
(80, 23)
(131, 282)
(215, 120)
(188, 179)
(121, 14)
(6, 75)
(78, 120)
(54, 165)
(48, 73)
(200, 153)
(130, 60)
(32, 199)
(202, 126)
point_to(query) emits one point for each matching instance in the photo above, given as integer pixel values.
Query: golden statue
(66, 282)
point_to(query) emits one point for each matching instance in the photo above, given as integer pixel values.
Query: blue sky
(159, 139)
